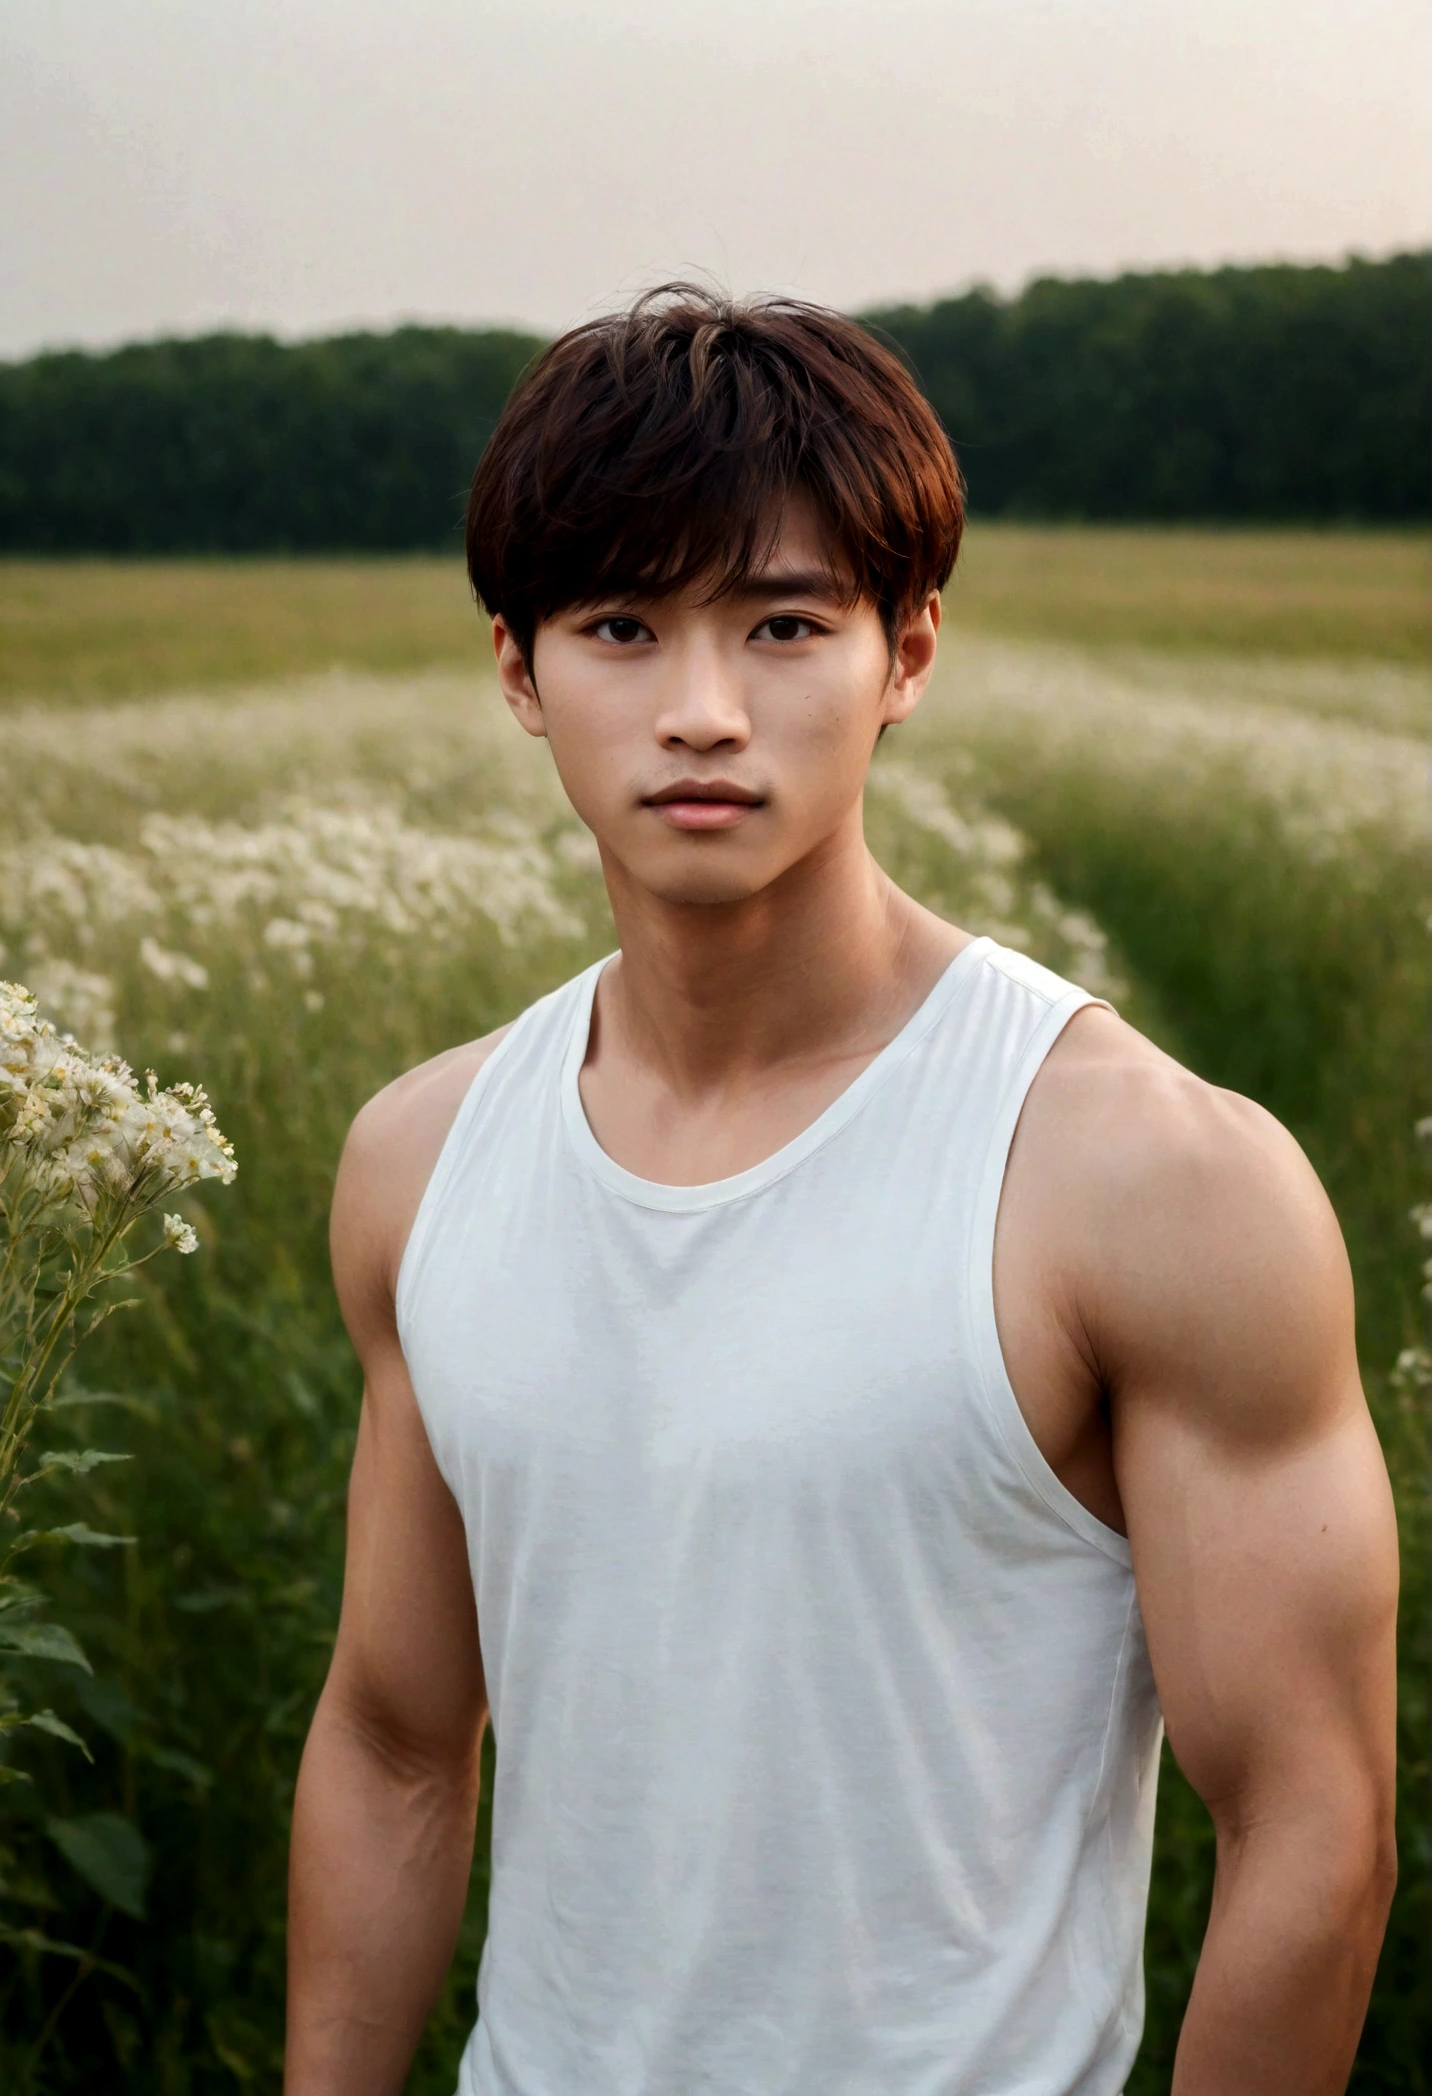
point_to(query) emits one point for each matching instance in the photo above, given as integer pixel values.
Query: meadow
(266, 824)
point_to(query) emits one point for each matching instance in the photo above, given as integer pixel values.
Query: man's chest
(794, 1340)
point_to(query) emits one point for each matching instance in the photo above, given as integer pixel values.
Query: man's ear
(914, 661)
(515, 677)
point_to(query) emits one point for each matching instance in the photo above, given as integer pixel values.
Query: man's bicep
(407, 1663)
(1257, 1501)
(1268, 1590)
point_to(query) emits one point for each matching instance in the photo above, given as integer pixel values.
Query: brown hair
(658, 447)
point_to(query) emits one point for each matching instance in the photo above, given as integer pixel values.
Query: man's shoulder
(416, 1110)
(388, 1159)
(1130, 1119)
(1192, 1219)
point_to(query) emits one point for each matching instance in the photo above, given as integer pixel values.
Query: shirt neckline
(715, 1193)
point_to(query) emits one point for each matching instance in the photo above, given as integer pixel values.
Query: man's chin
(705, 890)
(705, 880)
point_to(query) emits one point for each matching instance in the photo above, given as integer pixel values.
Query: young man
(832, 1388)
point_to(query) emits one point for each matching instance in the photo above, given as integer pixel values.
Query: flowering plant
(87, 1152)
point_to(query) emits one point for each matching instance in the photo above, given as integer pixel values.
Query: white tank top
(826, 1735)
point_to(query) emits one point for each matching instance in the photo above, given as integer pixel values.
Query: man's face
(712, 747)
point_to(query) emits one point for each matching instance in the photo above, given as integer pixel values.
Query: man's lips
(703, 804)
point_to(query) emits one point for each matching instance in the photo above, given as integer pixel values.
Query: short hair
(656, 449)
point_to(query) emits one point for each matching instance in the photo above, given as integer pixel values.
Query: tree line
(1283, 393)
(1271, 393)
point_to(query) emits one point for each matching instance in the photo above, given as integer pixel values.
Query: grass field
(1341, 594)
(89, 630)
(86, 631)
(261, 824)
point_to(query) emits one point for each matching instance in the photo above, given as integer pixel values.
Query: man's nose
(704, 708)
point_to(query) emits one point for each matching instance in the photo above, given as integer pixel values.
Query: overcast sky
(304, 165)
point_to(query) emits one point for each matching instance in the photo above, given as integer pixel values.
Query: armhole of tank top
(448, 1158)
(989, 1354)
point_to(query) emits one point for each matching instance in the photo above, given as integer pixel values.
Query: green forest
(241, 444)
(1293, 394)
(1259, 394)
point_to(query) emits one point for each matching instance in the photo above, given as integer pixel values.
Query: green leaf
(33, 1939)
(13, 1775)
(109, 1853)
(101, 1698)
(77, 1463)
(72, 1532)
(43, 1641)
(108, 1310)
(238, 2063)
(75, 1399)
(46, 1721)
(182, 1765)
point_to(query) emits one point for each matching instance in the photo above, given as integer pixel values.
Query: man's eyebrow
(791, 582)
(769, 584)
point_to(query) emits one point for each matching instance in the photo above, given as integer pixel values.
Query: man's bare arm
(387, 1793)
(1217, 1302)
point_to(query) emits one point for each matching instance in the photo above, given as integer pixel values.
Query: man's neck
(827, 962)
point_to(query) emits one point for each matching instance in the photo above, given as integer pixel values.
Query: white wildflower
(197, 895)
(987, 840)
(578, 849)
(172, 967)
(85, 1155)
(1414, 1368)
(1331, 750)
(439, 735)
(285, 935)
(77, 1127)
(987, 887)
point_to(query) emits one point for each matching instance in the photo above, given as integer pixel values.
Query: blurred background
(270, 273)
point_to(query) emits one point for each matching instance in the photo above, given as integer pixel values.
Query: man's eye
(784, 626)
(621, 630)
